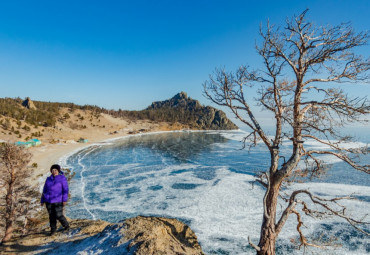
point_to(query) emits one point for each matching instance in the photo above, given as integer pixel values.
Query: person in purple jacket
(55, 196)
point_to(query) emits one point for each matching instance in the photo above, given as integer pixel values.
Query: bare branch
(253, 245)
(299, 62)
(343, 157)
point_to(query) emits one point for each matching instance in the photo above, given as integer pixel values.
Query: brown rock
(28, 103)
(153, 235)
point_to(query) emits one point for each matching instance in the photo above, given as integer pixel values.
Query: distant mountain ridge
(191, 112)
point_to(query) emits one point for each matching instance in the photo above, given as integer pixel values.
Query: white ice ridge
(83, 184)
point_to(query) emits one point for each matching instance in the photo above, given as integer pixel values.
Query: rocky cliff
(185, 110)
(139, 235)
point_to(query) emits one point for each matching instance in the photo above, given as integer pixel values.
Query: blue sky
(126, 54)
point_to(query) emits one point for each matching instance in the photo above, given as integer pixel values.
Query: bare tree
(300, 62)
(16, 200)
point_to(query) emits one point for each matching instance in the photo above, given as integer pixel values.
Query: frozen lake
(207, 181)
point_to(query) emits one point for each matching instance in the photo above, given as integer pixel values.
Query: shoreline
(50, 154)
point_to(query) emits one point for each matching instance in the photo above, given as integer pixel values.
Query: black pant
(55, 211)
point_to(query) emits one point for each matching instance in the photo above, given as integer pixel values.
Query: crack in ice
(83, 184)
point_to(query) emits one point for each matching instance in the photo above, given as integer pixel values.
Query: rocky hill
(181, 111)
(139, 235)
(186, 110)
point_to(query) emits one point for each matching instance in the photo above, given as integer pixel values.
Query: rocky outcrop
(139, 235)
(28, 103)
(214, 119)
(185, 110)
(181, 100)
(152, 235)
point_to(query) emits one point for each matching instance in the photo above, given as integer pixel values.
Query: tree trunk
(268, 228)
(267, 246)
(9, 210)
(8, 232)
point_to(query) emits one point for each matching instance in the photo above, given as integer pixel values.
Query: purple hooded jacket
(55, 189)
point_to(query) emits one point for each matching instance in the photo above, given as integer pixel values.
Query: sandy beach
(50, 154)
